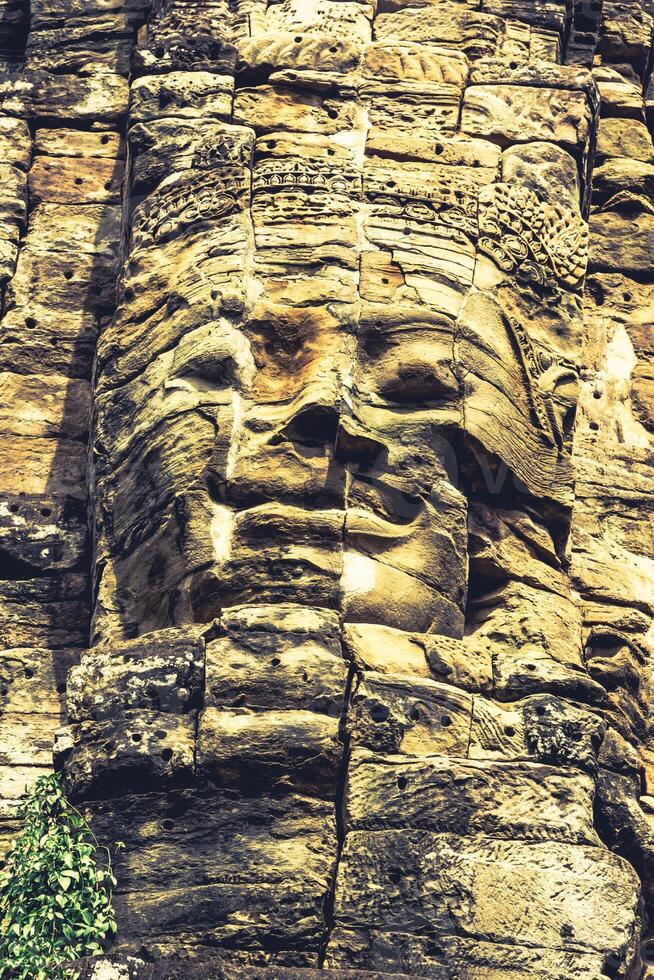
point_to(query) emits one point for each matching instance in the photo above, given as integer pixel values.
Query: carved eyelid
(219, 356)
(211, 367)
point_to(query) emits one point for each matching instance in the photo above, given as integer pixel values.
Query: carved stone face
(314, 340)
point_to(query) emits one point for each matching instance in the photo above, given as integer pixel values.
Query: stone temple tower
(327, 477)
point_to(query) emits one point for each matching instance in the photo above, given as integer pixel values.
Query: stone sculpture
(359, 646)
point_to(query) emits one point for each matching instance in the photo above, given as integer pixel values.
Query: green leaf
(55, 891)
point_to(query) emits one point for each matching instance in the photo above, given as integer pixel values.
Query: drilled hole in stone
(414, 714)
(379, 713)
(45, 512)
(136, 737)
(438, 149)
(597, 394)
(13, 508)
(593, 426)
(305, 677)
(104, 140)
(79, 180)
(107, 185)
(298, 40)
(30, 322)
(540, 710)
(509, 730)
(275, 662)
(168, 824)
(332, 113)
(29, 672)
(626, 297)
(402, 782)
(61, 688)
(167, 755)
(160, 733)
(159, 52)
(68, 274)
(446, 721)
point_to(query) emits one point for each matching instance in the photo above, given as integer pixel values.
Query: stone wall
(63, 99)
(355, 642)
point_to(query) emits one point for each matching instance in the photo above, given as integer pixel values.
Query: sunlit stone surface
(342, 621)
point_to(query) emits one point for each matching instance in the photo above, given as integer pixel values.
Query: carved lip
(355, 521)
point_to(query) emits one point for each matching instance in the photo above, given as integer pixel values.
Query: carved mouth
(281, 520)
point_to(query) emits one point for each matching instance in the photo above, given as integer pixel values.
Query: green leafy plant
(55, 890)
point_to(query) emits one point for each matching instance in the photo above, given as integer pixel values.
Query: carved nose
(320, 426)
(354, 445)
(315, 425)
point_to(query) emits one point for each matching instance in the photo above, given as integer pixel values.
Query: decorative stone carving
(355, 299)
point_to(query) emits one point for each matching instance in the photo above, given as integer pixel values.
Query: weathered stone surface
(163, 672)
(620, 96)
(181, 94)
(519, 801)
(444, 956)
(364, 514)
(73, 142)
(441, 882)
(131, 968)
(624, 138)
(68, 180)
(42, 533)
(516, 113)
(239, 867)
(622, 234)
(48, 611)
(34, 680)
(44, 405)
(136, 751)
(298, 749)
(277, 655)
(40, 95)
(392, 714)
